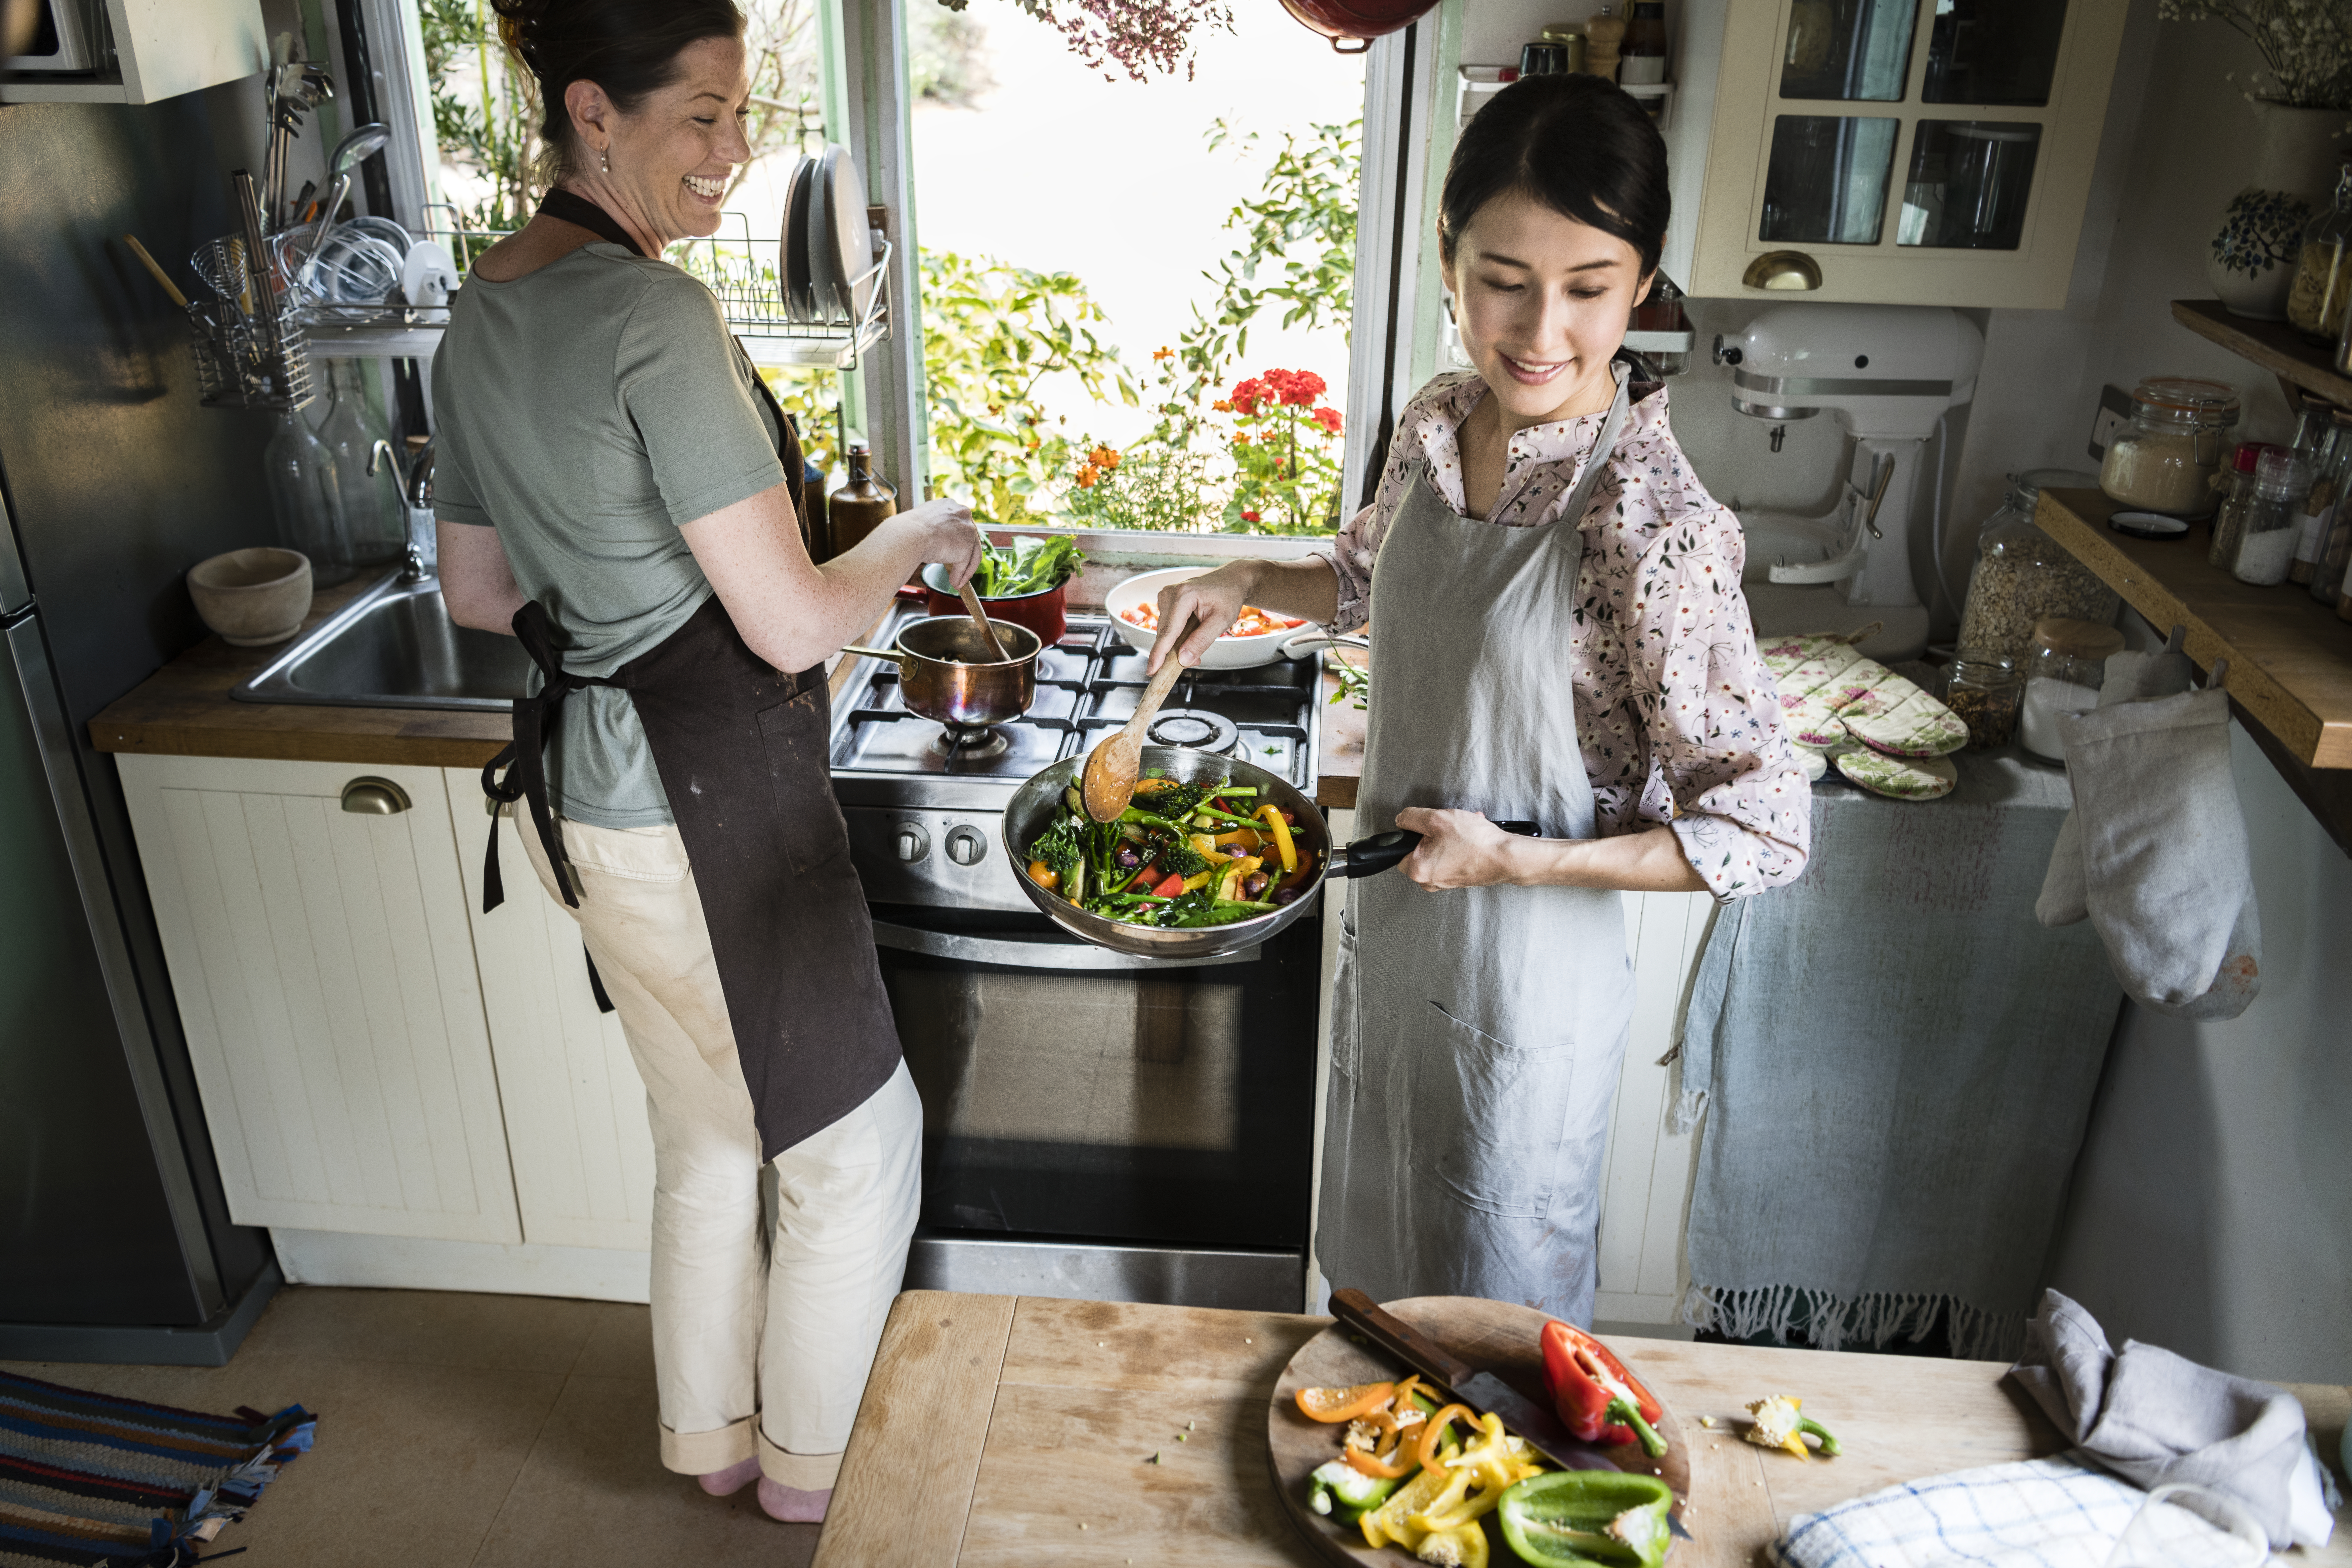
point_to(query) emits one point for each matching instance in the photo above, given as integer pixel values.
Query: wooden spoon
(987, 632)
(1113, 765)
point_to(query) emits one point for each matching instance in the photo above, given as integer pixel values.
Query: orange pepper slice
(1335, 1405)
(1392, 1460)
(1429, 1428)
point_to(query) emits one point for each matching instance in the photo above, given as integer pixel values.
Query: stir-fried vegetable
(1031, 564)
(1184, 855)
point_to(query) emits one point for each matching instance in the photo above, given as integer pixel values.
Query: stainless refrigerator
(115, 1238)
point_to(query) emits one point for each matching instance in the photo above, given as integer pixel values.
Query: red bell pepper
(1598, 1400)
(1168, 889)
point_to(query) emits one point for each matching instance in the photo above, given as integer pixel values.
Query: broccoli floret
(1062, 850)
(1182, 859)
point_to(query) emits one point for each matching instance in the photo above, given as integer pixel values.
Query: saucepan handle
(1368, 856)
(893, 655)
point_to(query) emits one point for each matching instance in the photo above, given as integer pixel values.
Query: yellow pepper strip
(1198, 881)
(1204, 845)
(1442, 1515)
(1389, 1521)
(1489, 1459)
(1463, 1546)
(1436, 1516)
(1247, 838)
(1271, 814)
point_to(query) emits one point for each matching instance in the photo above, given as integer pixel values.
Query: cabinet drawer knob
(1791, 269)
(375, 797)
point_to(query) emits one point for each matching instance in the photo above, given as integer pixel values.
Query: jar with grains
(2023, 575)
(2323, 273)
(2069, 666)
(2163, 460)
(2266, 534)
(1983, 693)
(2237, 482)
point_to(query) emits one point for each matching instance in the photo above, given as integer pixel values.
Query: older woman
(1561, 639)
(617, 487)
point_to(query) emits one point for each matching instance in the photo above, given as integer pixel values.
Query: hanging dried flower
(1135, 34)
(2306, 45)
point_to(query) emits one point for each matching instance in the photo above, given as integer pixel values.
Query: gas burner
(1197, 729)
(970, 745)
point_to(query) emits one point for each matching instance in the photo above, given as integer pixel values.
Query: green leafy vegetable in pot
(1032, 563)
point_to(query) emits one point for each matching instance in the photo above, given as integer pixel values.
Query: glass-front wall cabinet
(1909, 152)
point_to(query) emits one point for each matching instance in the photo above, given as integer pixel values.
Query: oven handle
(1037, 953)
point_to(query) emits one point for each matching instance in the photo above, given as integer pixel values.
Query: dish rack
(752, 298)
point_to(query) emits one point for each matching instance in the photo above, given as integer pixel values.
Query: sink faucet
(415, 493)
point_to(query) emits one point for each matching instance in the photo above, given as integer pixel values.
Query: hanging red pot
(1357, 22)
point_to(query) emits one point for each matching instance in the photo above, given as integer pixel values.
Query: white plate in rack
(848, 239)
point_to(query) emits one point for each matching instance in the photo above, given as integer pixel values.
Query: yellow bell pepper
(1246, 837)
(1489, 1460)
(1389, 1520)
(1440, 1511)
(1463, 1546)
(1229, 890)
(1198, 881)
(1271, 814)
(1204, 845)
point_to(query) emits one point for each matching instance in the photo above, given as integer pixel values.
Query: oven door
(1070, 1091)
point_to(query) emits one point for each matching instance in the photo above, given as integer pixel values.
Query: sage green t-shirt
(588, 411)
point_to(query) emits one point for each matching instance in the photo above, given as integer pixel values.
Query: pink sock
(732, 1479)
(790, 1504)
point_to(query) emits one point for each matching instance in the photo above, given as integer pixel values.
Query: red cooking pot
(1356, 22)
(1043, 613)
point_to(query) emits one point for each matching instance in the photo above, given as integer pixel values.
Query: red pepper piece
(1598, 1400)
(1168, 889)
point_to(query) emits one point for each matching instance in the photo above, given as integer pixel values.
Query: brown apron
(744, 754)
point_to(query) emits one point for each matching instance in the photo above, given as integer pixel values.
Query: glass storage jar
(307, 500)
(2323, 273)
(1983, 692)
(2266, 530)
(2237, 483)
(2068, 666)
(2164, 459)
(2023, 574)
(2335, 537)
(2318, 442)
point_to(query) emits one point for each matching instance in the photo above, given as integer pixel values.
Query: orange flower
(1241, 437)
(1163, 351)
(1087, 476)
(1221, 406)
(1105, 458)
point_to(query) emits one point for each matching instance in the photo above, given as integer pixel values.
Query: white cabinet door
(575, 1107)
(324, 971)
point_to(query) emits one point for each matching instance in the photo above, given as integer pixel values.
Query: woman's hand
(1457, 849)
(1196, 613)
(947, 536)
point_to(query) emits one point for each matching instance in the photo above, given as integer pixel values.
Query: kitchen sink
(395, 647)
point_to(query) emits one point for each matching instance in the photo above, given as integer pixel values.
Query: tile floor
(460, 1431)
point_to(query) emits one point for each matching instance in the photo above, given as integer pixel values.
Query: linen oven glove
(2165, 867)
(2156, 1419)
(2130, 678)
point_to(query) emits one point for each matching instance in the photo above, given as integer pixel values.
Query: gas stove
(924, 803)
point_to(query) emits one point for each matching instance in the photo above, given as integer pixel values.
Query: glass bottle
(371, 507)
(307, 500)
(2163, 461)
(2237, 485)
(2267, 533)
(1642, 57)
(2323, 274)
(2023, 574)
(2316, 443)
(1983, 692)
(1570, 37)
(2335, 541)
(859, 506)
(2068, 666)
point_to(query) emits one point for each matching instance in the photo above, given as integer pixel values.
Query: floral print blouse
(1678, 718)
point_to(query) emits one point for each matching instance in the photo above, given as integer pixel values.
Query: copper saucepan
(947, 673)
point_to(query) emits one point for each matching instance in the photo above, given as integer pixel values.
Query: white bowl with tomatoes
(1256, 639)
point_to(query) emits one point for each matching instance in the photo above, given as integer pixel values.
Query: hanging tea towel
(2165, 872)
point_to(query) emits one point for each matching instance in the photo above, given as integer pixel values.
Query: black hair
(628, 47)
(1581, 145)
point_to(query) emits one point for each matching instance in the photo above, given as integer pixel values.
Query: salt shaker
(2267, 530)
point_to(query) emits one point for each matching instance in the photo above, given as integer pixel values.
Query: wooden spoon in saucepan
(987, 632)
(1113, 765)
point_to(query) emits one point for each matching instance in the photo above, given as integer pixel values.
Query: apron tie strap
(525, 758)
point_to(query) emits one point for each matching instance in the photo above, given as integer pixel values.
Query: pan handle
(893, 655)
(1368, 856)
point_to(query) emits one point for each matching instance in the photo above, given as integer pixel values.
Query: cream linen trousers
(770, 1282)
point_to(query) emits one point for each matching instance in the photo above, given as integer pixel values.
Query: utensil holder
(250, 352)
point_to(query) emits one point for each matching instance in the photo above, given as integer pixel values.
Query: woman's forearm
(1305, 587)
(1651, 861)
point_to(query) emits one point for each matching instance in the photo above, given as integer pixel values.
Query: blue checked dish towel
(2038, 1513)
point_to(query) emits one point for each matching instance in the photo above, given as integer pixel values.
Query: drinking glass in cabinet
(1993, 51)
(1848, 49)
(1969, 184)
(1827, 180)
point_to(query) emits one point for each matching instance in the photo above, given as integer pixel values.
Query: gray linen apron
(1476, 1033)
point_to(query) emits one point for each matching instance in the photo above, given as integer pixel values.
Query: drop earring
(605, 158)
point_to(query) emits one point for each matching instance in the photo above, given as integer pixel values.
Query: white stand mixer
(1888, 373)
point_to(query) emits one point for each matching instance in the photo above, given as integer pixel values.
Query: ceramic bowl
(1225, 653)
(253, 597)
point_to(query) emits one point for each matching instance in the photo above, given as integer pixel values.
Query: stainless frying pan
(1035, 804)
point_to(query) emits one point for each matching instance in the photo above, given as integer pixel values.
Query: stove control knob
(966, 847)
(913, 842)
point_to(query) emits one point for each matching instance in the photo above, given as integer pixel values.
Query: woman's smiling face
(1542, 303)
(671, 159)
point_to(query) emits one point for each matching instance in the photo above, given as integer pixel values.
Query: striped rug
(89, 1479)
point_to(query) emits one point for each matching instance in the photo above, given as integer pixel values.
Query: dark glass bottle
(860, 505)
(1641, 59)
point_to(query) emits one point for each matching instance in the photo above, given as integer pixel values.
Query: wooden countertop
(1019, 1430)
(1339, 749)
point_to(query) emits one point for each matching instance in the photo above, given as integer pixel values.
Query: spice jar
(2266, 530)
(2069, 666)
(2023, 574)
(1983, 692)
(2323, 273)
(2162, 461)
(2237, 484)
(1570, 37)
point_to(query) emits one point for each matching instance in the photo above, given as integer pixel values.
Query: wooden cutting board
(1491, 1336)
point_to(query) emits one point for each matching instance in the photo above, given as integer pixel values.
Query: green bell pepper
(1344, 1493)
(1575, 1519)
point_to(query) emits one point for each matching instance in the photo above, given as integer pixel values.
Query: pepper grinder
(861, 504)
(1604, 36)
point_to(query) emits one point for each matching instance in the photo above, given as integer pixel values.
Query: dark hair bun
(1581, 145)
(628, 47)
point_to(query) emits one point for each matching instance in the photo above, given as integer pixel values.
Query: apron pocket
(1487, 1117)
(811, 825)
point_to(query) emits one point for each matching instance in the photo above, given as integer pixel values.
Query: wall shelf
(2273, 345)
(2290, 657)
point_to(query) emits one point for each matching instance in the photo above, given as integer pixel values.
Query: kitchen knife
(1482, 1391)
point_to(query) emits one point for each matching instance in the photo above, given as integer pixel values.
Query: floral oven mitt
(1830, 694)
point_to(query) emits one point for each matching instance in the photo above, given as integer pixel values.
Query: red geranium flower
(1249, 517)
(1247, 395)
(1328, 418)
